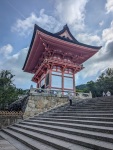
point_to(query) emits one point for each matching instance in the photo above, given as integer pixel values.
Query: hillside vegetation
(104, 83)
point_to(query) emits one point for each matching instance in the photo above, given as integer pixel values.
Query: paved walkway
(5, 145)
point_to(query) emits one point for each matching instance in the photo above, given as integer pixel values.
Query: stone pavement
(5, 145)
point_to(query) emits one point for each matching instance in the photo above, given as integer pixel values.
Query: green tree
(82, 88)
(104, 83)
(8, 91)
(92, 87)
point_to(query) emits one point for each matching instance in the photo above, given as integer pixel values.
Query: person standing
(108, 93)
(103, 94)
(70, 99)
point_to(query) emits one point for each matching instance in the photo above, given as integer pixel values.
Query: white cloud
(25, 27)
(107, 33)
(109, 6)
(6, 50)
(71, 12)
(94, 67)
(99, 62)
(15, 63)
(89, 39)
(109, 50)
(103, 59)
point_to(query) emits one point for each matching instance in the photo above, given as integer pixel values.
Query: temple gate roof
(62, 39)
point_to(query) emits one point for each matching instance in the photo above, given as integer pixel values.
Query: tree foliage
(8, 91)
(82, 88)
(104, 83)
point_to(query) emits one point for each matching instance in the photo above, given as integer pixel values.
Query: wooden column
(63, 79)
(74, 82)
(50, 75)
(50, 78)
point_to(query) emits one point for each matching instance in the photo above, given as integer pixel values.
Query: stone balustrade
(80, 95)
(59, 93)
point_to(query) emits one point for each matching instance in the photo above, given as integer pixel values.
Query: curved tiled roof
(36, 27)
(57, 35)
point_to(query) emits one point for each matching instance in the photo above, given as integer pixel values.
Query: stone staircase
(86, 125)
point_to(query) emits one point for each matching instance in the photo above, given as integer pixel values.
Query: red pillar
(50, 77)
(74, 82)
(62, 79)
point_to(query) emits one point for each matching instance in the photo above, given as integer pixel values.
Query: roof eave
(34, 33)
(37, 28)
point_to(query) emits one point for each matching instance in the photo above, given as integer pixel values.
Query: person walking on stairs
(70, 99)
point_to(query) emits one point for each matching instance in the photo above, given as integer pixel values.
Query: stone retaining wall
(38, 104)
(9, 120)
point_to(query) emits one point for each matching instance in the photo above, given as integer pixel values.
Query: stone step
(13, 141)
(29, 141)
(72, 125)
(81, 114)
(108, 119)
(84, 133)
(88, 102)
(102, 99)
(95, 103)
(48, 126)
(92, 108)
(89, 108)
(100, 104)
(65, 137)
(42, 142)
(92, 104)
(86, 125)
(78, 111)
(98, 123)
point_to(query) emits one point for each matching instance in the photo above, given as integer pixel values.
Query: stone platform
(5, 145)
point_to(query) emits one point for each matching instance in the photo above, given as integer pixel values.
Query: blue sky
(91, 22)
